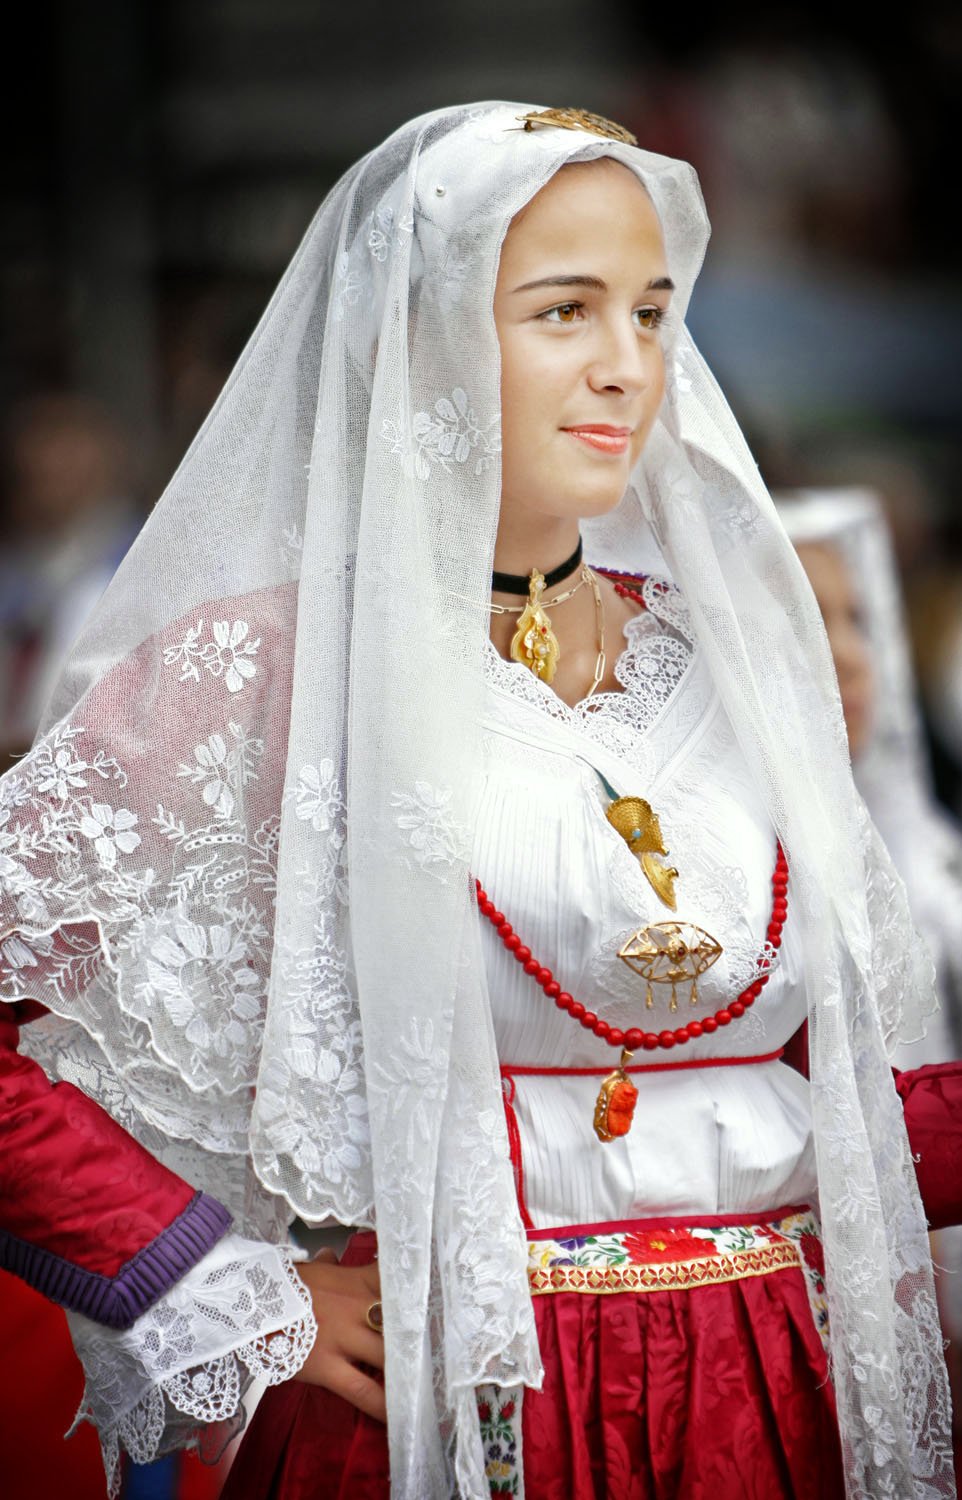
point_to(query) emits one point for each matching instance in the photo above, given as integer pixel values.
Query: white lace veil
(892, 769)
(237, 858)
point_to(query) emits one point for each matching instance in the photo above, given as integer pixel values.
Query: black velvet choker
(518, 583)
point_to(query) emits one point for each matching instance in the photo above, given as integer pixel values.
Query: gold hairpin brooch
(577, 119)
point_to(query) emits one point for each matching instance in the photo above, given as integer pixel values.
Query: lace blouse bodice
(703, 1140)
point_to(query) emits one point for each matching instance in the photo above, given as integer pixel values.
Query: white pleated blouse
(711, 1140)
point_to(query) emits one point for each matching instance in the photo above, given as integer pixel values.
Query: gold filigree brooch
(578, 119)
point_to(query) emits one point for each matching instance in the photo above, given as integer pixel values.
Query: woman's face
(832, 586)
(582, 288)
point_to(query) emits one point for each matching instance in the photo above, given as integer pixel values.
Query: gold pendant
(671, 953)
(615, 1105)
(534, 642)
(639, 827)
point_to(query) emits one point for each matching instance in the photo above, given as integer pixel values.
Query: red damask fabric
(719, 1393)
(72, 1181)
(932, 1101)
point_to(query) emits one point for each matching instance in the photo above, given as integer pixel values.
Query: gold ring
(374, 1317)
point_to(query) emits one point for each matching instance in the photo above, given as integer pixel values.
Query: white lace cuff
(176, 1378)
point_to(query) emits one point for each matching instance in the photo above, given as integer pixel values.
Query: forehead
(596, 208)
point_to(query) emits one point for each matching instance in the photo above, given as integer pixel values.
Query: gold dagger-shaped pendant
(534, 643)
(639, 827)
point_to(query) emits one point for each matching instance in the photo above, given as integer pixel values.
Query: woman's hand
(341, 1296)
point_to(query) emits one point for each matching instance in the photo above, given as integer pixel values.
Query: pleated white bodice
(711, 1140)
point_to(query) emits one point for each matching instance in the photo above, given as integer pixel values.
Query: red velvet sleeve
(932, 1105)
(87, 1215)
(932, 1101)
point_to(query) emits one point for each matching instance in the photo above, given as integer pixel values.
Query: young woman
(386, 863)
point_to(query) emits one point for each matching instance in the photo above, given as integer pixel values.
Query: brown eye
(566, 312)
(648, 317)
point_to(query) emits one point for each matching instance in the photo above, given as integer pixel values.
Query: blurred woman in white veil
(454, 724)
(843, 540)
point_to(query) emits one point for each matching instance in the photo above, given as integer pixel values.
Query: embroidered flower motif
(63, 773)
(444, 282)
(414, 1079)
(348, 287)
(385, 233)
(182, 965)
(232, 654)
(170, 1338)
(444, 437)
(227, 655)
(428, 824)
(500, 1425)
(812, 1252)
(661, 1246)
(317, 796)
(211, 768)
(279, 1094)
(224, 771)
(111, 831)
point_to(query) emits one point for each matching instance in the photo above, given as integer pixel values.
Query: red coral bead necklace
(617, 1098)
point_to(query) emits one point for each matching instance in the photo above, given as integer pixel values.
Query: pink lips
(598, 435)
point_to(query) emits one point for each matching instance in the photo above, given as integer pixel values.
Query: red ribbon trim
(509, 1070)
(514, 1147)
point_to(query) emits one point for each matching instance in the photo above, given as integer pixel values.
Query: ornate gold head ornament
(578, 119)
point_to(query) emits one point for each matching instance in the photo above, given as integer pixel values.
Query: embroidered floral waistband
(653, 1256)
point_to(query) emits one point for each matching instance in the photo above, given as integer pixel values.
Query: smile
(605, 439)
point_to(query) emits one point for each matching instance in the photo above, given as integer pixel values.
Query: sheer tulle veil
(236, 864)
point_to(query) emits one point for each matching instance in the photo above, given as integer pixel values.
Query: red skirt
(682, 1362)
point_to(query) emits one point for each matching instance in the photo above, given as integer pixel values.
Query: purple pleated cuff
(118, 1301)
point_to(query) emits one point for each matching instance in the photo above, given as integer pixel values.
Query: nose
(624, 362)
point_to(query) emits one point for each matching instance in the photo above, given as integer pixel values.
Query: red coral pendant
(615, 1108)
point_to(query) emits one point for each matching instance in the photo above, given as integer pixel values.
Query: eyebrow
(594, 283)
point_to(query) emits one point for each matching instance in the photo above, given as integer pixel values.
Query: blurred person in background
(842, 538)
(66, 520)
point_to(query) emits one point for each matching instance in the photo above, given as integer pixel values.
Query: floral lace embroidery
(242, 1314)
(228, 655)
(446, 436)
(428, 825)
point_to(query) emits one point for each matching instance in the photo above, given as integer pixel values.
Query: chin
(599, 502)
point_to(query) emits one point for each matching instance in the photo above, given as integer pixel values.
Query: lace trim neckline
(659, 648)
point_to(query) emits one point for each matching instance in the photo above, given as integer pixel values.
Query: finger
(361, 1344)
(371, 1277)
(359, 1389)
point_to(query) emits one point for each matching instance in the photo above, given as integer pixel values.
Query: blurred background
(168, 156)
(165, 159)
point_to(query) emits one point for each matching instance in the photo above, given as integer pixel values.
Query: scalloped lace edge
(202, 1408)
